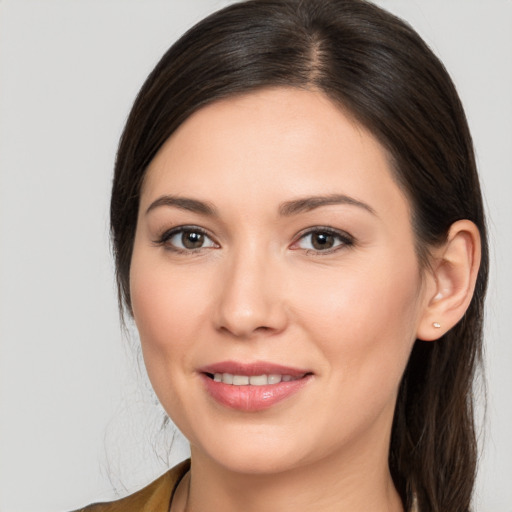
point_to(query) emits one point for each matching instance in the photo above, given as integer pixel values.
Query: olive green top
(156, 497)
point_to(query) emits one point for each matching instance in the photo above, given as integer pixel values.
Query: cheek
(168, 310)
(364, 319)
(363, 323)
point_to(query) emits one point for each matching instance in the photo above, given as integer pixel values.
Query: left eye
(187, 239)
(322, 240)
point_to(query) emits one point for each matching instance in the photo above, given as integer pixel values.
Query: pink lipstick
(252, 387)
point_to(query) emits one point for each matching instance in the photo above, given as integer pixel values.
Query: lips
(252, 387)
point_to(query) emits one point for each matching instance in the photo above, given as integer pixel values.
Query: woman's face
(274, 248)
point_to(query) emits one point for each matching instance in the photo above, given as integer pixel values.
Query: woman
(300, 239)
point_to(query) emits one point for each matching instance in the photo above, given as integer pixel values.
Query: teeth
(258, 380)
(253, 380)
(240, 380)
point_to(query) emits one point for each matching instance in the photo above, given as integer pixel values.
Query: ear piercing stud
(436, 325)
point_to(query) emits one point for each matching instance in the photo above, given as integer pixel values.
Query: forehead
(273, 143)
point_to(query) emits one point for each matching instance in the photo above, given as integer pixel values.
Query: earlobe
(453, 276)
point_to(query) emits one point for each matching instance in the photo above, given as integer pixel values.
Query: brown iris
(322, 241)
(192, 239)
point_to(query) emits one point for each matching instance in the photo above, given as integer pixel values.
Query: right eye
(186, 239)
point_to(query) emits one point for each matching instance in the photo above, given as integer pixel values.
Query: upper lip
(252, 369)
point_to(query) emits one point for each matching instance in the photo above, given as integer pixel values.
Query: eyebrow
(307, 204)
(286, 209)
(184, 203)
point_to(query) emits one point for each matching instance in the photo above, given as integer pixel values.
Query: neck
(355, 482)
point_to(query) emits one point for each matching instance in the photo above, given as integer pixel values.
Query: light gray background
(75, 416)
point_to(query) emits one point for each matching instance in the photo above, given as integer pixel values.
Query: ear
(451, 281)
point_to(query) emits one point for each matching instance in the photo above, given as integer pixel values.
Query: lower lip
(252, 398)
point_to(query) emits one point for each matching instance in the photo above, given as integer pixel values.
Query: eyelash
(345, 240)
(166, 236)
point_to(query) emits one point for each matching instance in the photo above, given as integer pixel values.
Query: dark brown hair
(376, 67)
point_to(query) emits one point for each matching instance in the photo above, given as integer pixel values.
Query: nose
(251, 299)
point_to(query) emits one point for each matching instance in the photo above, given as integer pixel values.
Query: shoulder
(156, 497)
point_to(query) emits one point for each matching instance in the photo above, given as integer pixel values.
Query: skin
(259, 291)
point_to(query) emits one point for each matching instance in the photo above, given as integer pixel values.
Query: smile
(252, 380)
(252, 387)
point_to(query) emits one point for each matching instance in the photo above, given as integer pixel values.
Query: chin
(259, 454)
(258, 464)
